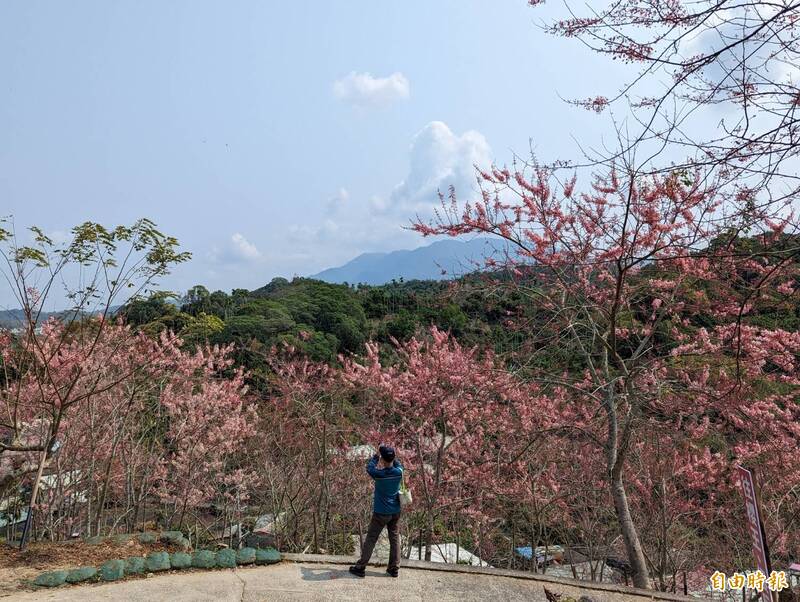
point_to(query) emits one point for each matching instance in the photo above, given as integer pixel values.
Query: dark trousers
(376, 525)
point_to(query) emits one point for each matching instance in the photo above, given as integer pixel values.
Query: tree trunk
(429, 537)
(104, 489)
(616, 453)
(630, 536)
(29, 519)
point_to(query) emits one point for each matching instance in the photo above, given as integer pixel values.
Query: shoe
(392, 572)
(357, 571)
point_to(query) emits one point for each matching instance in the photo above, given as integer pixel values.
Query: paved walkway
(327, 579)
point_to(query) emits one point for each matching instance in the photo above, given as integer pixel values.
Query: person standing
(387, 473)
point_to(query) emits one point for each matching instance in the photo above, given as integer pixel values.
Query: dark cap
(387, 453)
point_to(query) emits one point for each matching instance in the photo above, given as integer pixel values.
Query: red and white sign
(753, 518)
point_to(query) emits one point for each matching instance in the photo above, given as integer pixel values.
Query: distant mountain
(15, 318)
(454, 257)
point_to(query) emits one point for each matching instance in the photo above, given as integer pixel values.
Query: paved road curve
(318, 581)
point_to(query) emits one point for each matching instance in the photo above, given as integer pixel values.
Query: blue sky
(276, 138)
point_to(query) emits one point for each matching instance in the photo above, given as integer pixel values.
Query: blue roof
(527, 552)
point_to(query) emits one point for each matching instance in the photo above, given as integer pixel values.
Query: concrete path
(325, 580)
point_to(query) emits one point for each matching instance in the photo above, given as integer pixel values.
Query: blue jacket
(387, 486)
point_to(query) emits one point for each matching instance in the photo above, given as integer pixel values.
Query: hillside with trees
(495, 388)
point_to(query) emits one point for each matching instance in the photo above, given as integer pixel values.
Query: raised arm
(395, 470)
(372, 467)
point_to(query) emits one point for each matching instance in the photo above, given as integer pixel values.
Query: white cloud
(439, 158)
(243, 248)
(365, 90)
(380, 222)
(237, 250)
(327, 231)
(378, 204)
(338, 200)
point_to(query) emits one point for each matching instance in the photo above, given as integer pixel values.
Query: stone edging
(475, 570)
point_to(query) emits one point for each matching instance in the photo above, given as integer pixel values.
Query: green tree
(201, 328)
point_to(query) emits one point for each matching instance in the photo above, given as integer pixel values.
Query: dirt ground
(17, 568)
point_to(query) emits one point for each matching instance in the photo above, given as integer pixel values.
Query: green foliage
(328, 308)
(81, 574)
(51, 579)
(376, 303)
(318, 346)
(201, 328)
(197, 295)
(173, 322)
(319, 319)
(785, 318)
(268, 308)
(112, 570)
(241, 329)
(275, 285)
(139, 311)
(453, 319)
(226, 558)
(324, 320)
(93, 244)
(402, 326)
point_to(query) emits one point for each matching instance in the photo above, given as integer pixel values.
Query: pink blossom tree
(454, 415)
(209, 422)
(307, 471)
(50, 373)
(617, 274)
(713, 85)
(176, 432)
(94, 436)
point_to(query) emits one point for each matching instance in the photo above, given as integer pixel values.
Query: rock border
(116, 569)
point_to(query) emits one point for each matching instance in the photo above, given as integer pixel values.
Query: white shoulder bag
(405, 493)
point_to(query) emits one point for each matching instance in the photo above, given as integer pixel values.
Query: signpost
(754, 524)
